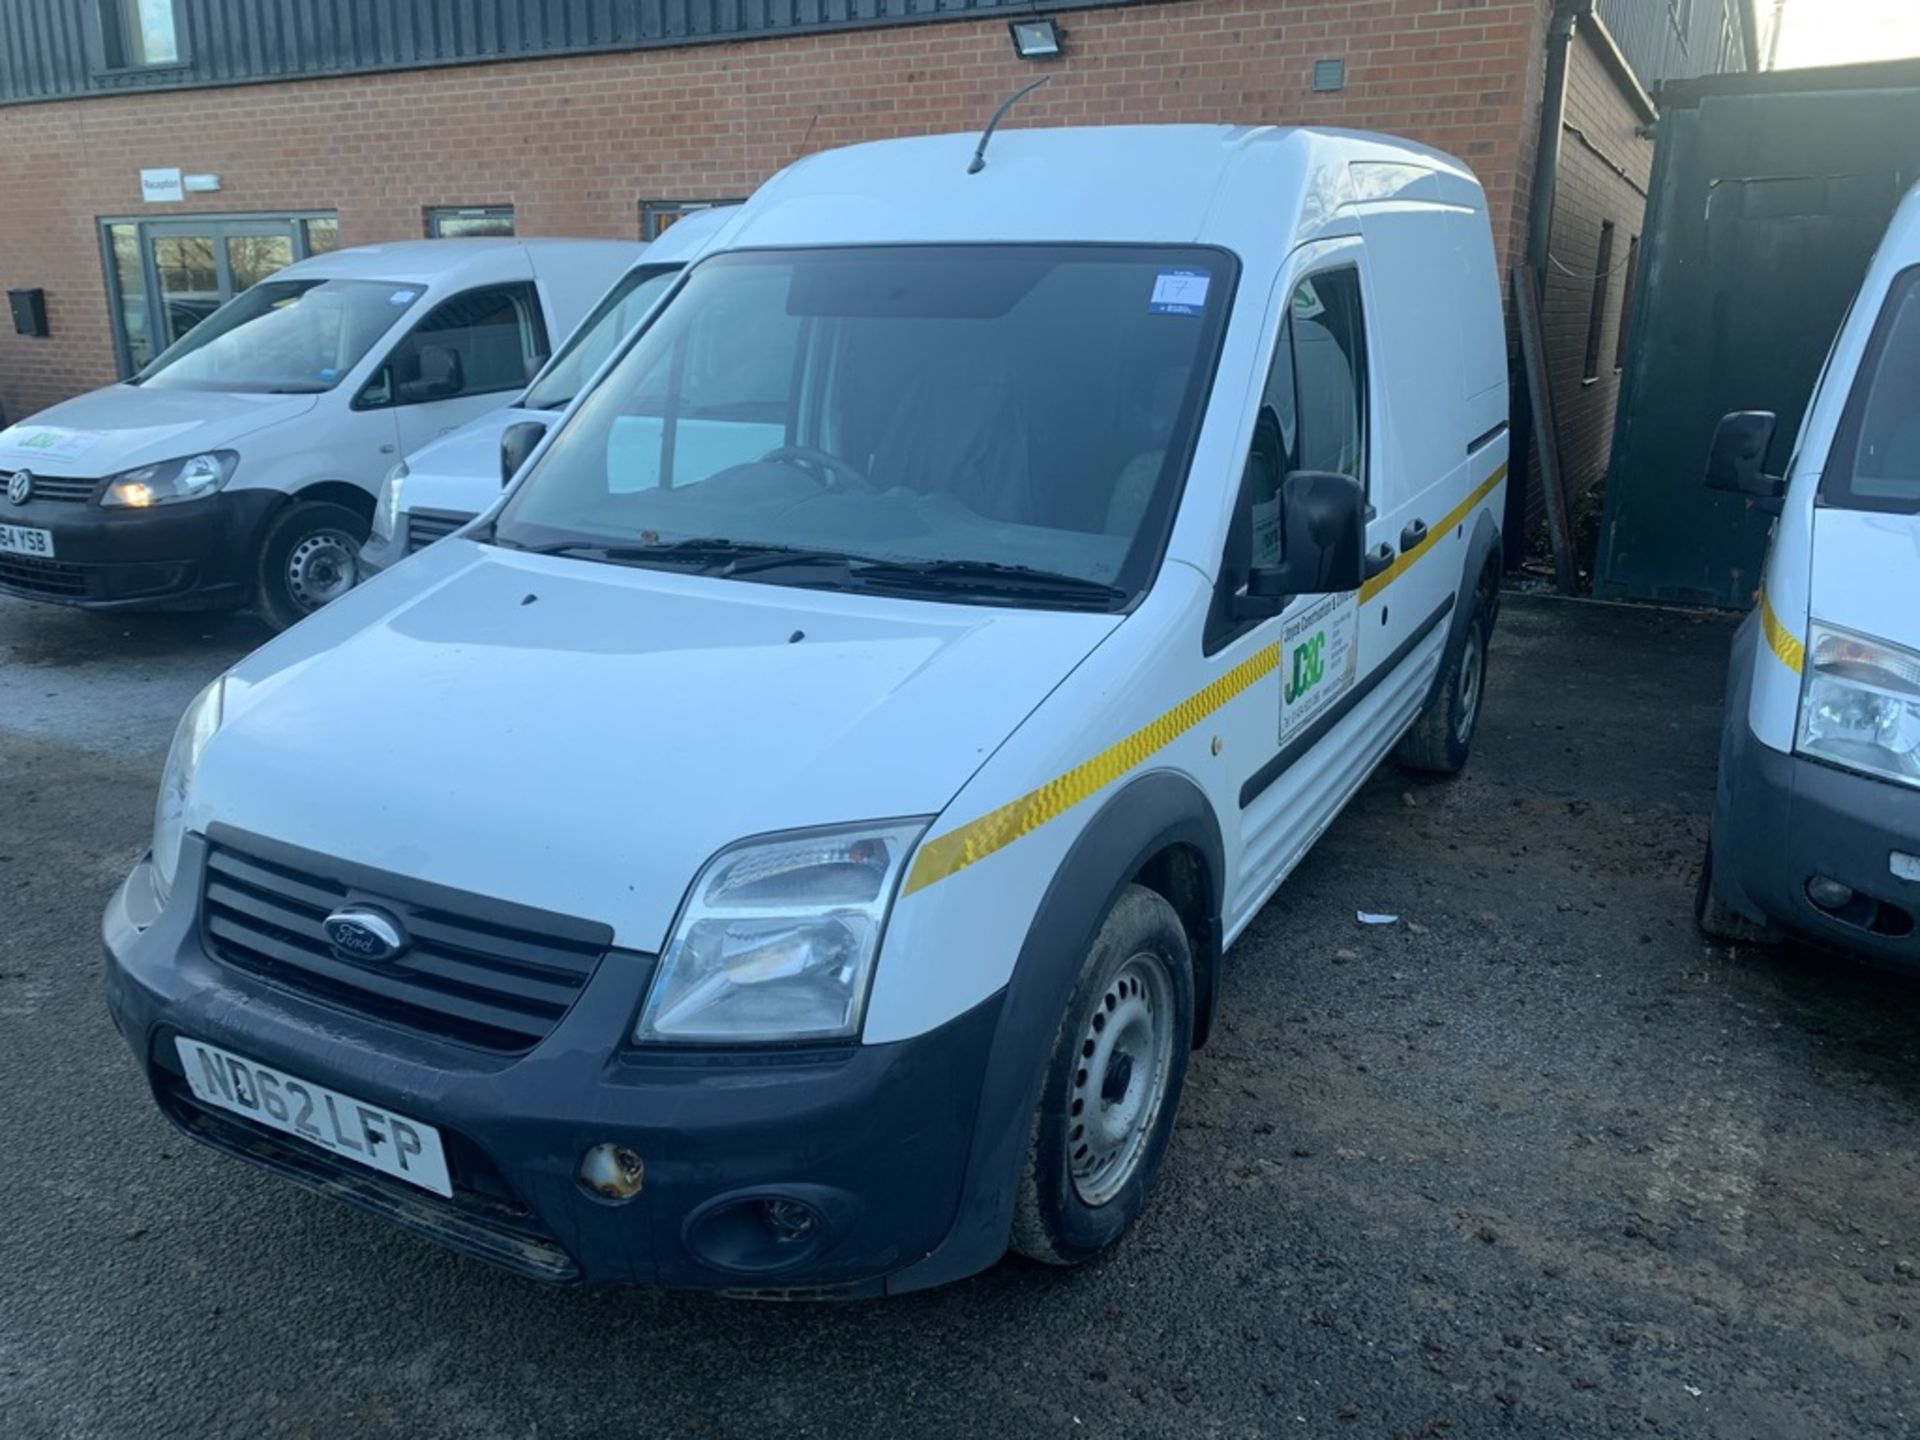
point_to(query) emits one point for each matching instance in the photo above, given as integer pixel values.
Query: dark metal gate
(1769, 195)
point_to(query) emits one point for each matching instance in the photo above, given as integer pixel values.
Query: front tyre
(1442, 736)
(1112, 1085)
(308, 557)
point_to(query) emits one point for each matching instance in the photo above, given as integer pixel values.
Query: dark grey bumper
(1780, 820)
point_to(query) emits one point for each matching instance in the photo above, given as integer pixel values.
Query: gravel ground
(1535, 1161)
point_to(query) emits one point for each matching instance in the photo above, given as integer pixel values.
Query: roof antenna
(979, 162)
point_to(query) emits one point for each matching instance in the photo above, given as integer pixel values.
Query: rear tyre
(308, 557)
(1112, 1086)
(1719, 921)
(1442, 736)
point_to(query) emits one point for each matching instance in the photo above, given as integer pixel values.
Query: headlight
(1860, 705)
(171, 480)
(778, 937)
(386, 509)
(197, 727)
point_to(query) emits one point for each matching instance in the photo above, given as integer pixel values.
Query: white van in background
(791, 843)
(1816, 827)
(240, 466)
(437, 489)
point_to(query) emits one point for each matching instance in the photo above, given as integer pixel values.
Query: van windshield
(282, 337)
(1875, 463)
(587, 348)
(1001, 424)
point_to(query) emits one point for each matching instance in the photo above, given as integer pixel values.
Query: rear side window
(1875, 464)
(474, 343)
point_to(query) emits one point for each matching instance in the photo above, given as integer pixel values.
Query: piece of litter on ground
(1693, 1390)
(1367, 917)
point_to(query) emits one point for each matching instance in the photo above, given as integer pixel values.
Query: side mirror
(516, 444)
(1736, 462)
(440, 375)
(1323, 543)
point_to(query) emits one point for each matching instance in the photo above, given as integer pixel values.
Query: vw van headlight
(197, 727)
(777, 939)
(171, 480)
(386, 509)
(1860, 705)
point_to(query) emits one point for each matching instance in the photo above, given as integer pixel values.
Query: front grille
(426, 526)
(498, 986)
(42, 577)
(57, 487)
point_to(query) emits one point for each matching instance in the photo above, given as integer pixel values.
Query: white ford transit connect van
(791, 843)
(439, 488)
(1816, 827)
(239, 468)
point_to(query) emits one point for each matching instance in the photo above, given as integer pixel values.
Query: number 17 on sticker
(1179, 292)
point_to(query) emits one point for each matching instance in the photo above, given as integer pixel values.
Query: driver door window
(480, 342)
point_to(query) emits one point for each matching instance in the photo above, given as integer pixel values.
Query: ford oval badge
(360, 932)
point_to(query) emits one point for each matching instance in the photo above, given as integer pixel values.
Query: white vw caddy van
(443, 485)
(239, 468)
(798, 834)
(1816, 828)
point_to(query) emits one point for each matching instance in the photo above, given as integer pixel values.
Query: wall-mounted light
(1036, 39)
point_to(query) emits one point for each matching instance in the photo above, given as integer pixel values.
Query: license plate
(366, 1134)
(25, 540)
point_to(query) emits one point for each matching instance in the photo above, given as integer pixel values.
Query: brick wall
(1604, 173)
(575, 144)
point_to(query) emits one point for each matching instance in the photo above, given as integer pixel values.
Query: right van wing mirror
(516, 444)
(1737, 462)
(1323, 543)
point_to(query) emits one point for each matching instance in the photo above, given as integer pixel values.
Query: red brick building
(327, 124)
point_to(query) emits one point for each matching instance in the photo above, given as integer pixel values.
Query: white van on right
(1816, 828)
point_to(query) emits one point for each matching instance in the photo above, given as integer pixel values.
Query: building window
(460, 222)
(1626, 303)
(1602, 283)
(139, 34)
(657, 215)
(165, 276)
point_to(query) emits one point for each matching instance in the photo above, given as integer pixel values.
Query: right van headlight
(386, 508)
(196, 728)
(777, 940)
(1860, 705)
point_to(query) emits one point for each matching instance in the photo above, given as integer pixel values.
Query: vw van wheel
(1112, 1085)
(1442, 736)
(309, 557)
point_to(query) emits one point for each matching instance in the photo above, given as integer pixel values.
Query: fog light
(789, 1220)
(613, 1171)
(1829, 894)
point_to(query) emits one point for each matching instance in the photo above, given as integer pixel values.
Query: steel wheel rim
(321, 568)
(1472, 667)
(1120, 1079)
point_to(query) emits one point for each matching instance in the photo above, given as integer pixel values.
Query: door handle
(1415, 532)
(1378, 559)
(388, 449)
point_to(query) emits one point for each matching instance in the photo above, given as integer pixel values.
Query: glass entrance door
(166, 276)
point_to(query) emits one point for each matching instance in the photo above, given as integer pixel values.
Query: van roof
(423, 262)
(1146, 184)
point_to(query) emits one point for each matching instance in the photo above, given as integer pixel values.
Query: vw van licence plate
(352, 1129)
(26, 540)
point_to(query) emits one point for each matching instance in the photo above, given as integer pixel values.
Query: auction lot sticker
(1318, 659)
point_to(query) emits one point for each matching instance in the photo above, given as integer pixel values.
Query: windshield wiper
(990, 576)
(721, 556)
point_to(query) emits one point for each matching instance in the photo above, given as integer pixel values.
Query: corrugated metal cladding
(1678, 39)
(53, 48)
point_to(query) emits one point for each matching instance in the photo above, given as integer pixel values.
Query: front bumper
(197, 554)
(874, 1139)
(1780, 820)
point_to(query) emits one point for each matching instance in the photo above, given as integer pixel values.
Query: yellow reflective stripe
(958, 848)
(1453, 517)
(978, 839)
(1782, 641)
